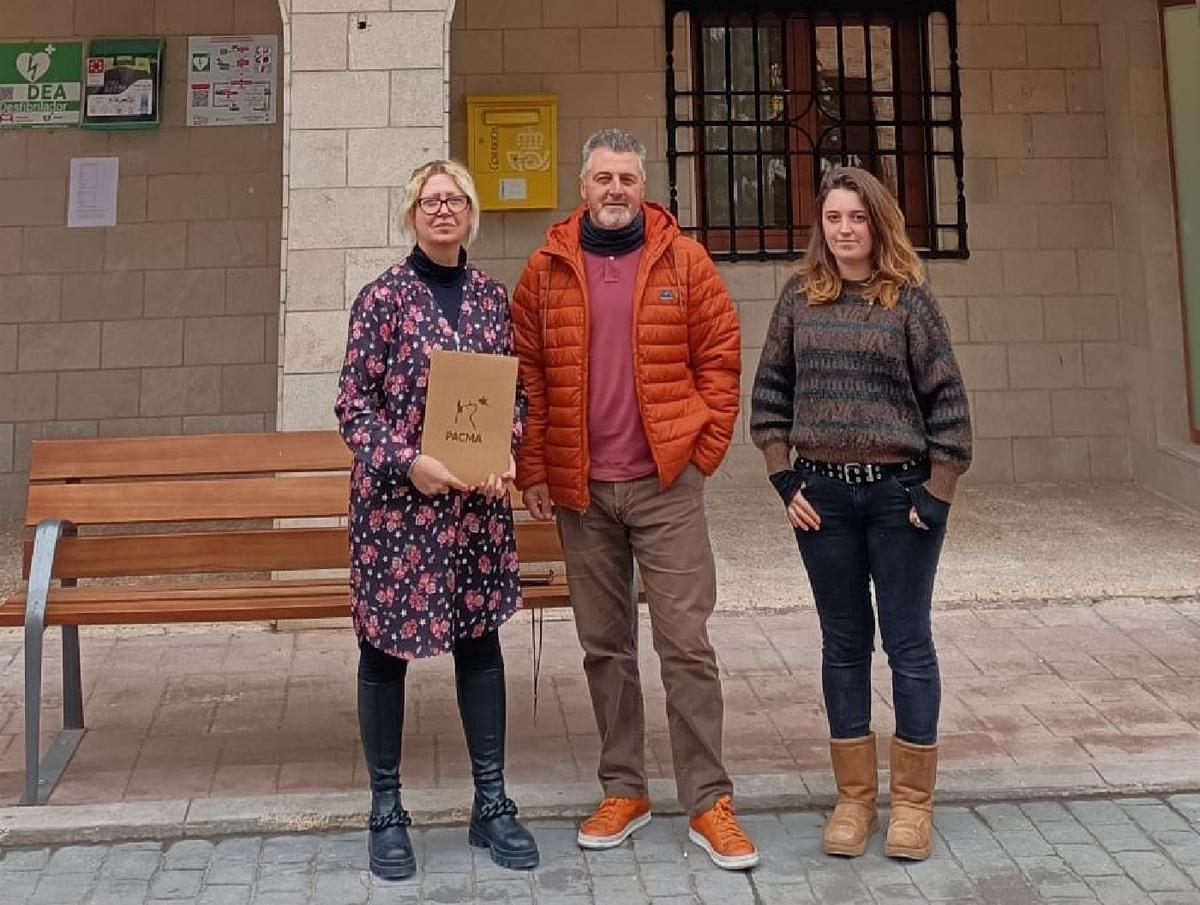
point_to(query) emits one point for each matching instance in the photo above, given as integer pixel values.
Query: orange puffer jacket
(687, 357)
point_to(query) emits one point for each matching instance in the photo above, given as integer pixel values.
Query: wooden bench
(193, 527)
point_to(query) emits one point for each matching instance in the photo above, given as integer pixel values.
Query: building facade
(1040, 169)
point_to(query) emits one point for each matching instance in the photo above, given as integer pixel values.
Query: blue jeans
(866, 538)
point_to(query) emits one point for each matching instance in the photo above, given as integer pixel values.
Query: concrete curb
(275, 814)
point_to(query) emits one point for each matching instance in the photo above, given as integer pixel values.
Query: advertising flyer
(232, 80)
(40, 84)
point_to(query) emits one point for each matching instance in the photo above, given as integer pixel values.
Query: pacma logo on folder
(469, 411)
(464, 416)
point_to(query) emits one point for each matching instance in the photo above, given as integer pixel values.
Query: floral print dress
(424, 571)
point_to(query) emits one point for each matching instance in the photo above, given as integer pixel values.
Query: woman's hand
(496, 485)
(433, 478)
(789, 484)
(927, 509)
(801, 513)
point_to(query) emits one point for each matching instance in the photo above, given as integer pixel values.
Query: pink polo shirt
(616, 441)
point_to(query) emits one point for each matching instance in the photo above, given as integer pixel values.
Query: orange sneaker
(718, 832)
(613, 822)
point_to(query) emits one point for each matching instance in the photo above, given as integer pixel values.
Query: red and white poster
(232, 80)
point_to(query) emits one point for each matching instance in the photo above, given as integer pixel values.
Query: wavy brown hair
(894, 262)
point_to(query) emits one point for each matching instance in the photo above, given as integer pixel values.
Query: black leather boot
(494, 823)
(380, 722)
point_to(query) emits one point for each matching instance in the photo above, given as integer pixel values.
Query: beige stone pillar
(365, 101)
(1146, 271)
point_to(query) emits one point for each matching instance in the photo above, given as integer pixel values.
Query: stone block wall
(1145, 265)
(1066, 318)
(167, 322)
(1036, 312)
(368, 104)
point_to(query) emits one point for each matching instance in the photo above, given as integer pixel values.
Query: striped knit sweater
(850, 381)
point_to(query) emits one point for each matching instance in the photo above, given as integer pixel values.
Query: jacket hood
(562, 238)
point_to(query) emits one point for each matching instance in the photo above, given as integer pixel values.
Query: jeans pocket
(930, 509)
(815, 484)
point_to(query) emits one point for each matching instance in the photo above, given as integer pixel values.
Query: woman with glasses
(433, 561)
(857, 376)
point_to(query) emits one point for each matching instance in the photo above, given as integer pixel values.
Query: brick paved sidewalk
(1100, 697)
(1143, 851)
(1108, 693)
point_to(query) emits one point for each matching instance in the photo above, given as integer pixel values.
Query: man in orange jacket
(630, 353)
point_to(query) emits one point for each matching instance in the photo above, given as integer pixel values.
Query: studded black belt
(859, 472)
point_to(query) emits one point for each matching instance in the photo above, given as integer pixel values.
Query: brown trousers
(667, 533)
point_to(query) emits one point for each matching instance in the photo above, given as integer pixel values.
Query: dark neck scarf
(612, 242)
(435, 274)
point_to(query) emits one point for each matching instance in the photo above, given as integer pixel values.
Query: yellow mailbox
(513, 141)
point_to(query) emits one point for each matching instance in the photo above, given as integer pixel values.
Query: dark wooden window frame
(798, 21)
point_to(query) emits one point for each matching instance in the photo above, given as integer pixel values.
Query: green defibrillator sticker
(40, 84)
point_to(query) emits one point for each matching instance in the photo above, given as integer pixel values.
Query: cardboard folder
(469, 412)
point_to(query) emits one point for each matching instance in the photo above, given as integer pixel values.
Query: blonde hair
(894, 262)
(421, 175)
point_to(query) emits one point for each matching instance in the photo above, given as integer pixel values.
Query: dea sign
(40, 84)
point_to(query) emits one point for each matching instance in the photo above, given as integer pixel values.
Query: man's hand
(433, 478)
(537, 501)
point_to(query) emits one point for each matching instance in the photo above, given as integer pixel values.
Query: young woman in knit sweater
(857, 376)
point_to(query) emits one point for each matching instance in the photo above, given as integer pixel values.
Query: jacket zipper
(639, 290)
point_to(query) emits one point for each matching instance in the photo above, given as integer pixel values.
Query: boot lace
(381, 822)
(608, 809)
(502, 807)
(725, 826)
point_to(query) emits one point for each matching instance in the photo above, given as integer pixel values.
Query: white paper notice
(93, 196)
(514, 189)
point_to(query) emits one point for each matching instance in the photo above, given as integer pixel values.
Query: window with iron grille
(765, 96)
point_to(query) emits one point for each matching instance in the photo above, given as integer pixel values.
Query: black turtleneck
(446, 283)
(612, 242)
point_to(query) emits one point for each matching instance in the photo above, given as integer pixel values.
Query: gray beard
(607, 219)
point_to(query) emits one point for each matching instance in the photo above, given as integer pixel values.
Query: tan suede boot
(910, 831)
(855, 817)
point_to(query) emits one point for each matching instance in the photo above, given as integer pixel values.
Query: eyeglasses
(456, 204)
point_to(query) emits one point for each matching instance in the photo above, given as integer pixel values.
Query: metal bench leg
(34, 636)
(72, 687)
(41, 776)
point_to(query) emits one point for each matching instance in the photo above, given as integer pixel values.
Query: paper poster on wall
(40, 84)
(232, 80)
(92, 197)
